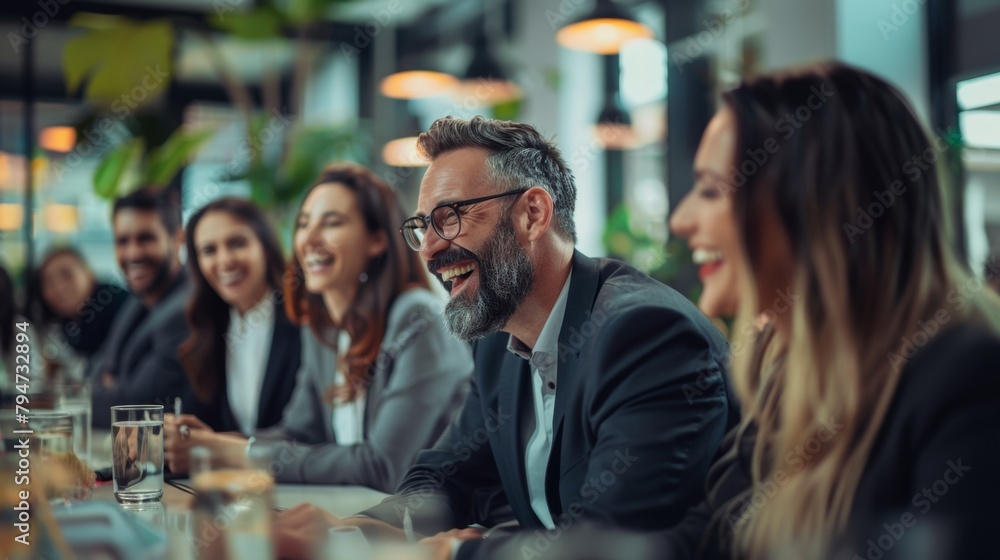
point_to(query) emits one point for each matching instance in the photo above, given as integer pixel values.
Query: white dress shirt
(248, 345)
(348, 417)
(543, 358)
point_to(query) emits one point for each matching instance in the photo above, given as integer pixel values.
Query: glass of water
(235, 503)
(137, 453)
(52, 432)
(75, 399)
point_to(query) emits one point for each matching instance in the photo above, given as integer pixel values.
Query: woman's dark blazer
(931, 487)
(280, 377)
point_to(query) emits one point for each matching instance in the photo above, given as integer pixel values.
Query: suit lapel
(276, 357)
(514, 375)
(580, 300)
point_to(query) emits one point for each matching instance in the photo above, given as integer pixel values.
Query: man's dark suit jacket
(280, 376)
(141, 353)
(642, 405)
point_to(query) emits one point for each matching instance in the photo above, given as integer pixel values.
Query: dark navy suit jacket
(642, 405)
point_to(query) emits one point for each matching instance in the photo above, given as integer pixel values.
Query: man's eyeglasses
(444, 218)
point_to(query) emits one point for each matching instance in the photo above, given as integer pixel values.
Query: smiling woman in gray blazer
(417, 381)
(381, 376)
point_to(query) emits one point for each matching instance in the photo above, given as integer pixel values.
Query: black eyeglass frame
(422, 221)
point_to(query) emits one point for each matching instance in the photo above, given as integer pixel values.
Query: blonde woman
(872, 398)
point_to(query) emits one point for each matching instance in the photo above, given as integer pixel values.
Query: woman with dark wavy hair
(243, 352)
(381, 376)
(871, 395)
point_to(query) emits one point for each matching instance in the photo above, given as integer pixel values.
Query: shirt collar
(260, 314)
(543, 355)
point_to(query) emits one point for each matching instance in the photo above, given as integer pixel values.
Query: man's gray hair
(519, 157)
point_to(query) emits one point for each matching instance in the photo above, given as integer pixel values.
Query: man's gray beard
(505, 278)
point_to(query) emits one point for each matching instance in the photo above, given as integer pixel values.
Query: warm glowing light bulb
(402, 152)
(417, 84)
(602, 36)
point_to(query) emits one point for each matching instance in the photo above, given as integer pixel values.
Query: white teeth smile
(135, 269)
(317, 260)
(702, 256)
(230, 278)
(457, 271)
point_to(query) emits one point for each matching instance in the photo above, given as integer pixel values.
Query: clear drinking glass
(231, 517)
(150, 512)
(137, 453)
(75, 399)
(52, 432)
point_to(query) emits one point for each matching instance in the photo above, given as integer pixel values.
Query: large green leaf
(309, 151)
(121, 67)
(258, 23)
(305, 12)
(263, 182)
(165, 161)
(119, 172)
(508, 110)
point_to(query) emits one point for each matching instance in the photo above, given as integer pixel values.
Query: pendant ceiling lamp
(415, 80)
(614, 127)
(603, 31)
(486, 81)
(402, 152)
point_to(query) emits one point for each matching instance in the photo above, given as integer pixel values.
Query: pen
(183, 429)
(408, 526)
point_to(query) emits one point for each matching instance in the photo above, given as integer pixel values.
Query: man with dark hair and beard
(599, 394)
(138, 363)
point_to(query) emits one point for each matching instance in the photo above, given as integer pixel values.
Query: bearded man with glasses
(598, 393)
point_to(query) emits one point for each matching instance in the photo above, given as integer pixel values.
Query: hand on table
(441, 543)
(302, 530)
(460, 534)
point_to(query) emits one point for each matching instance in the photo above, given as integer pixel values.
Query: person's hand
(301, 532)
(440, 545)
(460, 534)
(126, 445)
(177, 448)
(440, 548)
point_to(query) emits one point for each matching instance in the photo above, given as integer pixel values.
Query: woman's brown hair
(203, 353)
(873, 257)
(393, 272)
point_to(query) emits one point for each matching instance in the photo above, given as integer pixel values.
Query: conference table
(172, 513)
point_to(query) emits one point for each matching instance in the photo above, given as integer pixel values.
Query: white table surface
(341, 501)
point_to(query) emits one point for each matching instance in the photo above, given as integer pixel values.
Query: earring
(363, 277)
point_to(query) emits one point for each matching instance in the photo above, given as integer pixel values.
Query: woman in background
(874, 381)
(381, 376)
(243, 352)
(74, 309)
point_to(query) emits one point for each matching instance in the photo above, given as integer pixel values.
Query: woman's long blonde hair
(875, 278)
